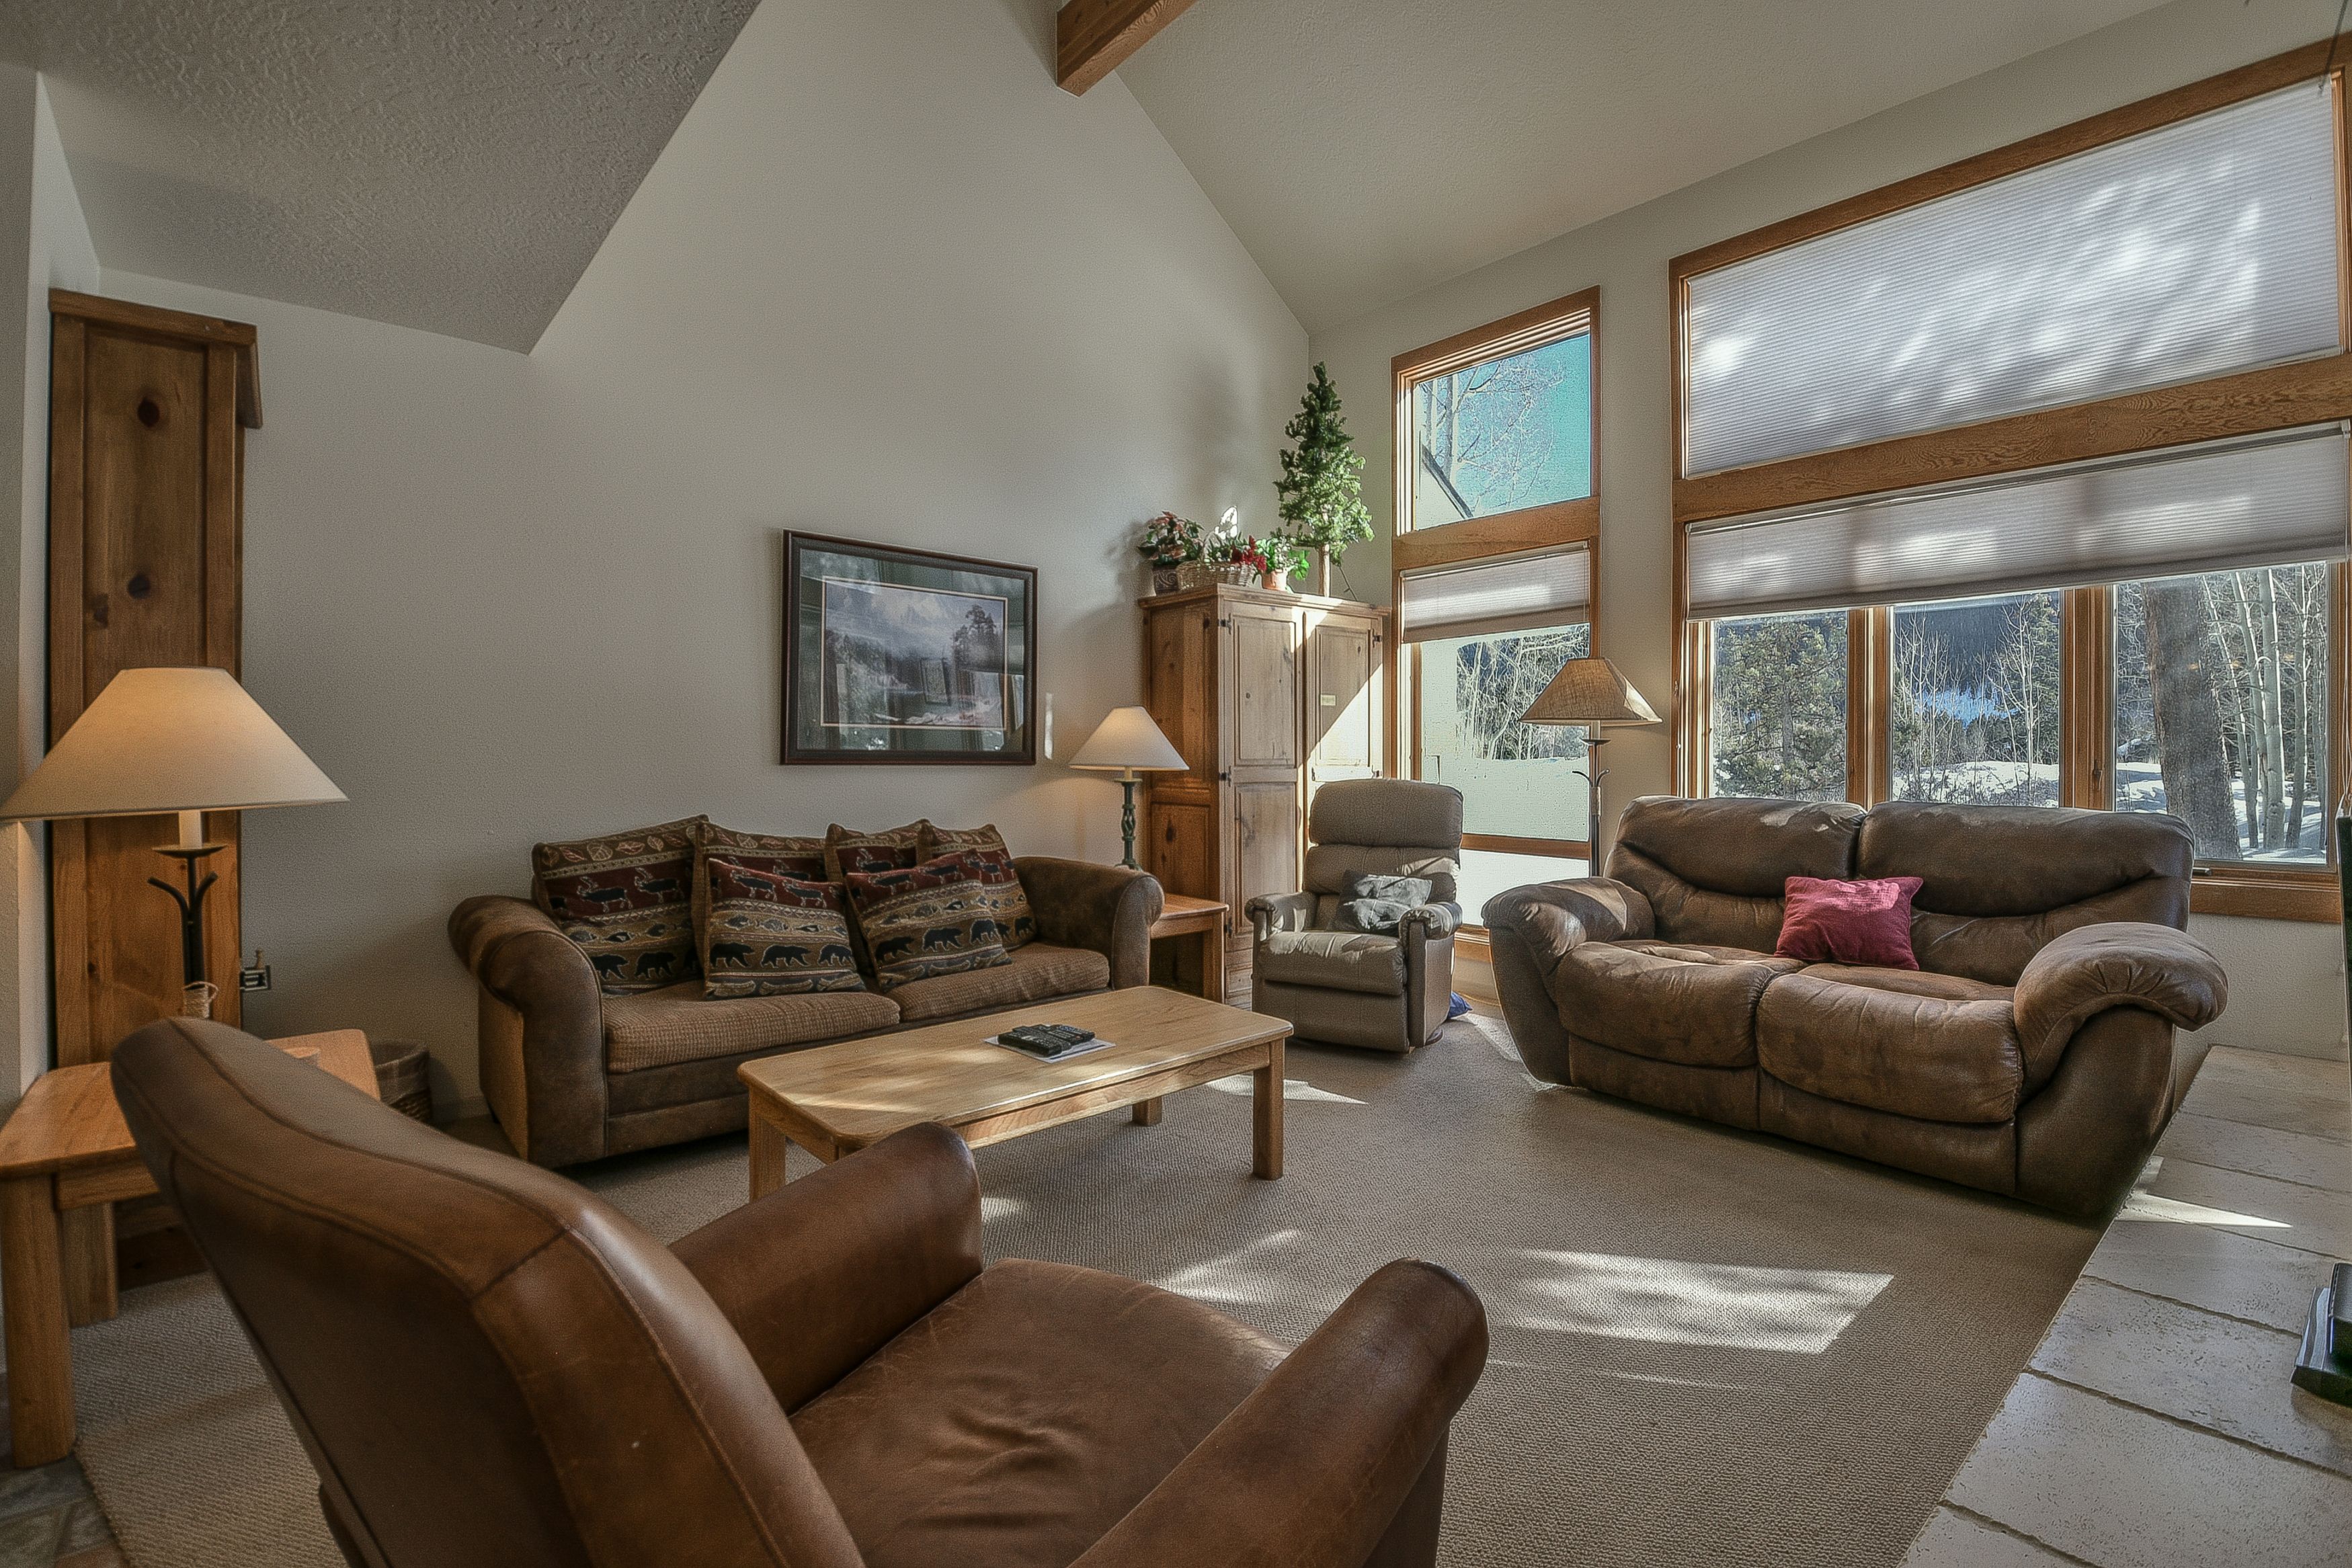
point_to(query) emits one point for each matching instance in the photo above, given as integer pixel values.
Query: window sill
(2311, 896)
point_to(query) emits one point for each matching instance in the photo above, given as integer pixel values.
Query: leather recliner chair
(491, 1368)
(2035, 1051)
(1357, 988)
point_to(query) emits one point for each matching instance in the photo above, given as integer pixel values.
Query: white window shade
(2198, 249)
(2262, 500)
(1554, 588)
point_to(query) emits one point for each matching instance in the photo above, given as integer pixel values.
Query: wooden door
(1344, 699)
(146, 479)
(1177, 829)
(1262, 784)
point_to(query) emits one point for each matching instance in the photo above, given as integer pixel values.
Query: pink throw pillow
(1864, 922)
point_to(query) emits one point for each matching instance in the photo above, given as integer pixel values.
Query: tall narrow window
(1977, 701)
(1777, 690)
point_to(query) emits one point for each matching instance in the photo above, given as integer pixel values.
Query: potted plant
(1322, 486)
(1285, 560)
(1168, 542)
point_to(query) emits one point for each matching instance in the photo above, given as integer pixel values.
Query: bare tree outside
(1975, 715)
(1504, 434)
(2221, 708)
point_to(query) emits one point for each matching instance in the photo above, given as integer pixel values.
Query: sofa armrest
(529, 967)
(1272, 912)
(1553, 917)
(2115, 964)
(821, 1273)
(1311, 1469)
(1108, 908)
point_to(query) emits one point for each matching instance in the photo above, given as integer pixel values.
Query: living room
(1304, 400)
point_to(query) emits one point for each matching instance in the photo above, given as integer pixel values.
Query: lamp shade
(1127, 741)
(161, 741)
(1589, 692)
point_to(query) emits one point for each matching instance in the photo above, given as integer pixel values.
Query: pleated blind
(1516, 594)
(2221, 505)
(2200, 248)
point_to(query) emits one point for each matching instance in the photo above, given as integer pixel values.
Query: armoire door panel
(1264, 645)
(1182, 675)
(1266, 841)
(1178, 845)
(1342, 728)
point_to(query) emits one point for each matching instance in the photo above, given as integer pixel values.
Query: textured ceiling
(447, 164)
(1367, 148)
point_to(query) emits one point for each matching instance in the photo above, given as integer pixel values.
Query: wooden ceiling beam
(1093, 39)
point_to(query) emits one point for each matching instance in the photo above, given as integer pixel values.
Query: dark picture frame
(896, 655)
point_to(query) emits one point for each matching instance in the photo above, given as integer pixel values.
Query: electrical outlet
(255, 977)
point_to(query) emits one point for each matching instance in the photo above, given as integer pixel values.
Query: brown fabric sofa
(1355, 987)
(2034, 1052)
(572, 1073)
(489, 1367)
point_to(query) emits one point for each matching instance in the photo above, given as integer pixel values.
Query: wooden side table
(1203, 918)
(66, 1159)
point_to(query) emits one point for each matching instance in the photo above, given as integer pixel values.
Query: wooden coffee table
(833, 1100)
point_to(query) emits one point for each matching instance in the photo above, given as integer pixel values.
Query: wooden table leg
(1213, 964)
(33, 1296)
(768, 1148)
(88, 1237)
(1265, 1102)
(1147, 1112)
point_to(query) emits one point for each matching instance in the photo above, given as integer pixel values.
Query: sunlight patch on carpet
(1664, 1301)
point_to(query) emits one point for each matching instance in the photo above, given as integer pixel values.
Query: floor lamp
(1127, 742)
(1594, 694)
(172, 742)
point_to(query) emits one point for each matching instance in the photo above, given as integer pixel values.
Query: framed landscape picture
(902, 656)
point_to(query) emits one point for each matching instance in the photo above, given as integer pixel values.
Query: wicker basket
(1195, 574)
(401, 1077)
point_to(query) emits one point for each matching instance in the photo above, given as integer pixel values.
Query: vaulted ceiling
(1367, 148)
(448, 166)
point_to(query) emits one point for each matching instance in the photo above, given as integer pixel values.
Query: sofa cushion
(983, 1435)
(1000, 884)
(1334, 960)
(767, 935)
(1862, 1041)
(925, 920)
(1684, 1003)
(627, 899)
(1036, 972)
(659, 1029)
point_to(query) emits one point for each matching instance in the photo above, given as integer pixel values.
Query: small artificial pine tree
(1322, 486)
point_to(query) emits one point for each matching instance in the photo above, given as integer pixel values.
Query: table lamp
(1127, 742)
(159, 742)
(1593, 692)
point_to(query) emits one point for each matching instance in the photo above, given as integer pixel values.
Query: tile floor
(2156, 1425)
(48, 1519)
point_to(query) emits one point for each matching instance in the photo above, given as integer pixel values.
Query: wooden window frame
(1527, 530)
(2276, 397)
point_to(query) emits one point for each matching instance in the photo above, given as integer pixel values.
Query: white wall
(2286, 978)
(43, 244)
(887, 282)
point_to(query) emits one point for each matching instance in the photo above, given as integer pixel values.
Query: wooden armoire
(148, 410)
(1267, 697)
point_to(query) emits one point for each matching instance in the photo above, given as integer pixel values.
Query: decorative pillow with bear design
(999, 883)
(800, 858)
(925, 920)
(847, 850)
(768, 933)
(627, 899)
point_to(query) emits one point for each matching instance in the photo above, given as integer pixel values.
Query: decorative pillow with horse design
(769, 934)
(929, 919)
(627, 899)
(1001, 883)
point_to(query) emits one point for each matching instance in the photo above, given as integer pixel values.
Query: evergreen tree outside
(1778, 719)
(1322, 487)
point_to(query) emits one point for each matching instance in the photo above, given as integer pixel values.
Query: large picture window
(2025, 481)
(1496, 529)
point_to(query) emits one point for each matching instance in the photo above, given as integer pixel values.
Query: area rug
(1707, 1347)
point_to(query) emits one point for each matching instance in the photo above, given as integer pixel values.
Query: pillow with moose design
(627, 899)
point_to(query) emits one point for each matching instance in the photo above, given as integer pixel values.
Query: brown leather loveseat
(2034, 1052)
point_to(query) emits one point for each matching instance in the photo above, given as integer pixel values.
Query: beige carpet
(1707, 1347)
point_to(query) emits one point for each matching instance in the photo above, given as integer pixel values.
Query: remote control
(1046, 1038)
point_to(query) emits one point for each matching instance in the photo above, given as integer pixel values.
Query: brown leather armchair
(491, 1368)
